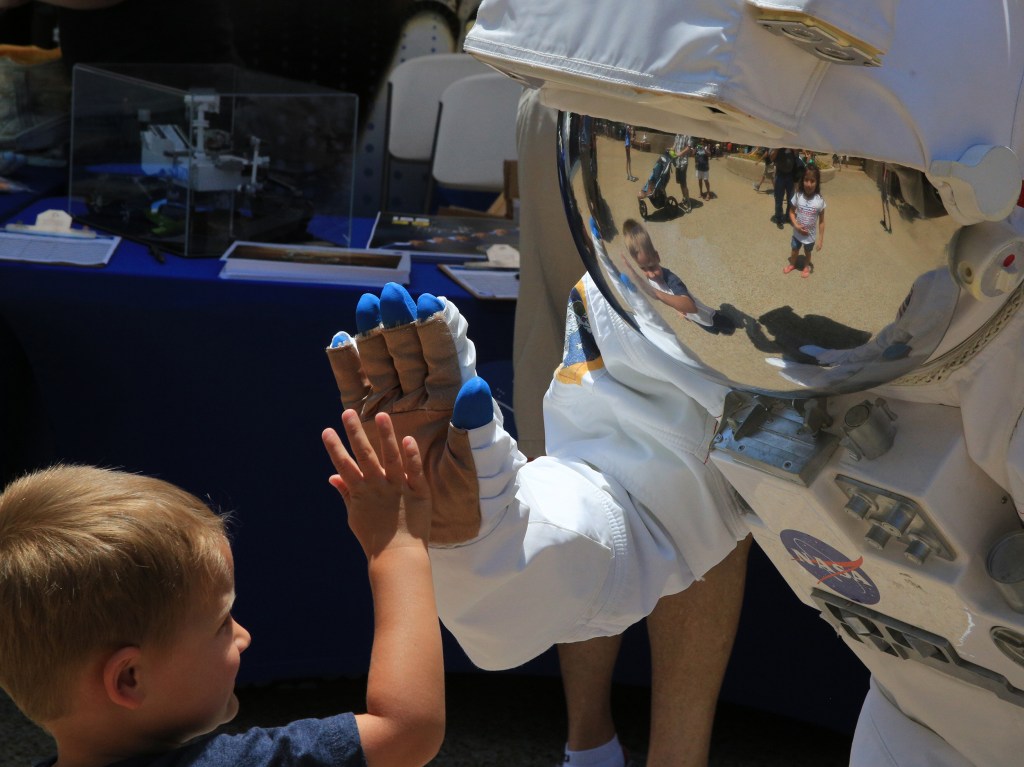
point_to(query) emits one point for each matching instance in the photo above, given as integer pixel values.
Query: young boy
(664, 285)
(116, 633)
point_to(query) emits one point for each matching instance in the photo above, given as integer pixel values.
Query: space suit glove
(414, 361)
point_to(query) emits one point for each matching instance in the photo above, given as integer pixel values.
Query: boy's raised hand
(374, 485)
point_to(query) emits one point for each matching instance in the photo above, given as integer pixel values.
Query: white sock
(608, 755)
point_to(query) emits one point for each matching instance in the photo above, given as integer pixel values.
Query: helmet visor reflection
(768, 269)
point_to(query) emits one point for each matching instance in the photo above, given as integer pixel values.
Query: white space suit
(906, 536)
(873, 424)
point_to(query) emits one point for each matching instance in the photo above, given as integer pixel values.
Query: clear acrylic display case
(191, 158)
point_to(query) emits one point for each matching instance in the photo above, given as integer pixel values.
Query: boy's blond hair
(92, 560)
(638, 240)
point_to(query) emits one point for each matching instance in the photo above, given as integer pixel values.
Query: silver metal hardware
(869, 429)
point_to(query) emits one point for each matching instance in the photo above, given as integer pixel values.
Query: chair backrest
(415, 87)
(476, 132)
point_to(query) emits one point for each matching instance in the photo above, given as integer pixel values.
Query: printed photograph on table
(485, 283)
(308, 263)
(443, 238)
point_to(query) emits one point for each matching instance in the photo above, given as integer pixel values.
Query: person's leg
(779, 191)
(681, 180)
(794, 250)
(808, 267)
(587, 669)
(691, 635)
(788, 192)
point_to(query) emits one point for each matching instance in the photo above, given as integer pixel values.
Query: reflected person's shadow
(783, 331)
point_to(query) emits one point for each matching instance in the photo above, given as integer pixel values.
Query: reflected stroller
(654, 190)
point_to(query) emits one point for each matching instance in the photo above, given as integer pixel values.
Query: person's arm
(681, 303)
(389, 510)
(821, 230)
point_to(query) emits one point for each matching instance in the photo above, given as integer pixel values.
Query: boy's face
(193, 680)
(650, 263)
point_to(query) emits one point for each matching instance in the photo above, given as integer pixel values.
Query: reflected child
(807, 215)
(664, 285)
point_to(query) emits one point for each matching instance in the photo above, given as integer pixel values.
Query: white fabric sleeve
(584, 542)
(542, 568)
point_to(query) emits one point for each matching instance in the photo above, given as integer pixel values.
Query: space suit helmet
(846, 225)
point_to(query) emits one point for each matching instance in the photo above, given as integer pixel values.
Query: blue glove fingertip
(396, 305)
(340, 339)
(473, 407)
(367, 313)
(428, 305)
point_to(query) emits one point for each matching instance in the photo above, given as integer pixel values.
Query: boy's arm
(405, 715)
(682, 304)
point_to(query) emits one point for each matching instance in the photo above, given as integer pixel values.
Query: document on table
(485, 283)
(46, 249)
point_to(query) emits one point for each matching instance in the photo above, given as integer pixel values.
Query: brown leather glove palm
(413, 368)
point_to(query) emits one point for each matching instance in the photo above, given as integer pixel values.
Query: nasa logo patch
(830, 567)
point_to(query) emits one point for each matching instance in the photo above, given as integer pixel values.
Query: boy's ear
(121, 678)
